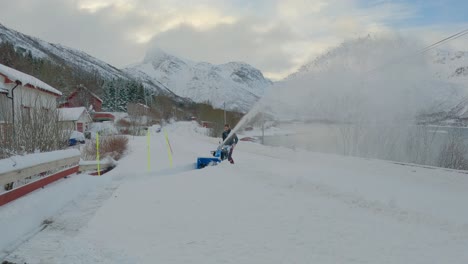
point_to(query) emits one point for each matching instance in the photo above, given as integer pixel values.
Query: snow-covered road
(274, 205)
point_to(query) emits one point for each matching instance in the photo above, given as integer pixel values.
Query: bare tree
(138, 114)
(454, 153)
(35, 128)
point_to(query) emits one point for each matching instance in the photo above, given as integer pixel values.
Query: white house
(75, 118)
(3, 105)
(22, 92)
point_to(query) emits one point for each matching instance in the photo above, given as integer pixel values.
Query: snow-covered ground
(275, 205)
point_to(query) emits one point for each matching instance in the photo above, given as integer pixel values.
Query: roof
(103, 116)
(84, 88)
(3, 88)
(71, 114)
(26, 79)
(143, 105)
(95, 96)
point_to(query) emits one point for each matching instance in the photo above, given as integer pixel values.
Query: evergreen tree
(109, 96)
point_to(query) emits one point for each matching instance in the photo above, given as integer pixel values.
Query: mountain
(451, 65)
(440, 76)
(65, 56)
(446, 65)
(237, 84)
(58, 53)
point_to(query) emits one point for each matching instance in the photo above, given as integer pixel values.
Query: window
(26, 112)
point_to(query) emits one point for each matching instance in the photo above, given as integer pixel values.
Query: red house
(83, 97)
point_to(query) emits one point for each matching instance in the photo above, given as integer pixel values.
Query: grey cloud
(56, 21)
(230, 42)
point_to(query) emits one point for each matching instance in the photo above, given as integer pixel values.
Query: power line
(438, 43)
(422, 51)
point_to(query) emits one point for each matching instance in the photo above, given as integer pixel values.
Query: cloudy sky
(276, 36)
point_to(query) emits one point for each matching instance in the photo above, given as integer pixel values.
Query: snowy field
(275, 205)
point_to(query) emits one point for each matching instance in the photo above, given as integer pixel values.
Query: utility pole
(263, 128)
(225, 113)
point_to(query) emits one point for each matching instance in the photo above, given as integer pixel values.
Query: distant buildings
(83, 97)
(75, 118)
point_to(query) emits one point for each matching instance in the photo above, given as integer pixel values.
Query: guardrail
(104, 165)
(23, 173)
(33, 177)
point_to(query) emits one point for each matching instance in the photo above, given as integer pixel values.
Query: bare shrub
(123, 123)
(454, 152)
(123, 126)
(109, 146)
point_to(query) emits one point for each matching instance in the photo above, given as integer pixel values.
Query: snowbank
(104, 128)
(22, 162)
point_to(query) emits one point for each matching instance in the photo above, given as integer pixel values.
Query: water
(415, 144)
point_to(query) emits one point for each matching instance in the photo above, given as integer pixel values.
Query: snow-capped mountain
(447, 65)
(237, 84)
(62, 55)
(58, 53)
(445, 71)
(451, 65)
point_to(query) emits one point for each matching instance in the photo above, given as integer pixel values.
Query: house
(139, 113)
(207, 124)
(20, 93)
(22, 97)
(82, 96)
(138, 109)
(76, 118)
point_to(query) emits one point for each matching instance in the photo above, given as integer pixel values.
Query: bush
(123, 123)
(109, 146)
(454, 152)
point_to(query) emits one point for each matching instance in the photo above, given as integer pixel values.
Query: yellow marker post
(149, 153)
(169, 148)
(97, 155)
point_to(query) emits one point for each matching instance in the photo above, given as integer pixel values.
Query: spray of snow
(369, 79)
(373, 89)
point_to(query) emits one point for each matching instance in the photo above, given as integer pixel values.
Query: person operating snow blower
(230, 143)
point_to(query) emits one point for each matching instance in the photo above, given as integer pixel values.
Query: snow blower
(221, 153)
(218, 155)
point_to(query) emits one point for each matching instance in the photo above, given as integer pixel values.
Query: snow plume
(370, 93)
(372, 79)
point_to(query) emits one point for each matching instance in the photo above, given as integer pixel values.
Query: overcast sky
(275, 36)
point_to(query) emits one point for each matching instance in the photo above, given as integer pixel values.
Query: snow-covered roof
(84, 88)
(25, 79)
(70, 114)
(95, 96)
(143, 105)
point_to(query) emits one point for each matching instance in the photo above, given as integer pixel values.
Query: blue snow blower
(218, 155)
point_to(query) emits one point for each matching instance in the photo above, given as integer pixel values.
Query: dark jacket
(232, 140)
